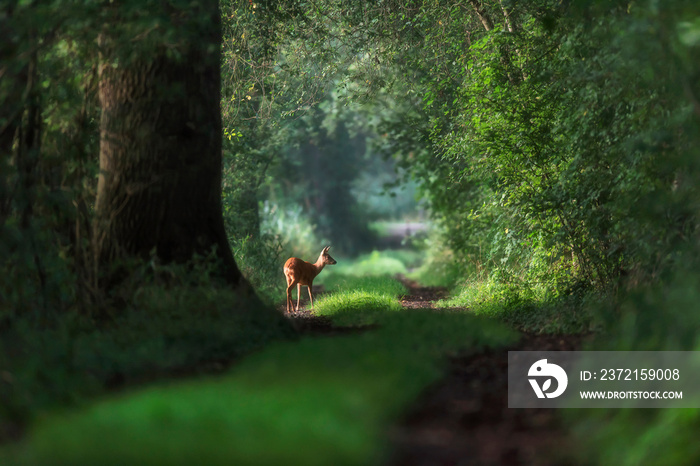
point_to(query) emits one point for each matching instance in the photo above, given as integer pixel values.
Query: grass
(530, 309)
(356, 307)
(360, 300)
(368, 265)
(383, 285)
(163, 330)
(315, 401)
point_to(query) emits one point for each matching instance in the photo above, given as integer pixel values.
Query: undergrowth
(663, 317)
(529, 308)
(175, 319)
(260, 261)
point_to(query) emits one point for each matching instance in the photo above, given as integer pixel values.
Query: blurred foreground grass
(316, 401)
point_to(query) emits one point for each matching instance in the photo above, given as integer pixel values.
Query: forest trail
(465, 419)
(462, 418)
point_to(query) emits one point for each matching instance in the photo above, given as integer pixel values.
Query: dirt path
(465, 419)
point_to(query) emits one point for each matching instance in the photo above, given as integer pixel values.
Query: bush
(440, 266)
(261, 261)
(291, 229)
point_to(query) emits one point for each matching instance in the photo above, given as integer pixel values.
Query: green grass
(528, 308)
(360, 300)
(162, 331)
(316, 401)
(356, 307)
(374, 264)
(384, 285)
(408, 257)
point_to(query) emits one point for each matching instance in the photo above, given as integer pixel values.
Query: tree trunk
(159, 188)
(508, 16)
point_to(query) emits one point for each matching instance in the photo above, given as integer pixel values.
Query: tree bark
(508, 16)
(486, 21)
(159, 187)
(481, 13)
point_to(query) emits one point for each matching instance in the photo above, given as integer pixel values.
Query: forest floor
(464, 419)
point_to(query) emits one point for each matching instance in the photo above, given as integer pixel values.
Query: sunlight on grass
(360, 300)
(383, 285)
(529, 309)
(356, 307)
(374, 264)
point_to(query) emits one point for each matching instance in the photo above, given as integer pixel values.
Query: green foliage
(296, 142)
(440, 265)
(328, 160)
(661, 318)
(554, 145)
(293, 229)
(260, 261)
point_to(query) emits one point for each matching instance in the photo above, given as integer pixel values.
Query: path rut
(464, 419)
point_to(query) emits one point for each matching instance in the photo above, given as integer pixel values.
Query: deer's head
(326, 258)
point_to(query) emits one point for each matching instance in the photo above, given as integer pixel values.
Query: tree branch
(481, 13)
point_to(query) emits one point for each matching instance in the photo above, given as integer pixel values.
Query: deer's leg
(289, 297)
(298, 295)
(311, 296)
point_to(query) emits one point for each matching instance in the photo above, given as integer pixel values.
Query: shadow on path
(465, 419)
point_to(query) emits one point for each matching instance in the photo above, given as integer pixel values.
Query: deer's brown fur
(299, 272)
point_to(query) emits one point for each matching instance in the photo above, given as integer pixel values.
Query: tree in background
(320, 173)
(296, 140)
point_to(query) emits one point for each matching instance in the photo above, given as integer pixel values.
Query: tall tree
(159, 187)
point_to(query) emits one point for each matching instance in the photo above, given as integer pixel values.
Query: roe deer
(299, 272)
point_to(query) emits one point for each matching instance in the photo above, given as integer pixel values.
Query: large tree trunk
(159, 186)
